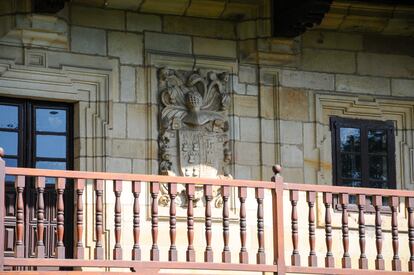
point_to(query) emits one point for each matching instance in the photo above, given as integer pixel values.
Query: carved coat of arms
(194, 128)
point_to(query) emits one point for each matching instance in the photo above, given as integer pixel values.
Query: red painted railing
(277, 187)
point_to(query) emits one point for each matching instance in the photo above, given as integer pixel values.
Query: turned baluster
(396, 262)
(190, 253)
(329, 259)
(98, 185)
(226, 254)
(243, 255)
(409, 204)
(346, 259)
(208, 195)
(310, 198)
(19, 185)
(155, 188)
(379, 261)
(172, 252)
(136, 249)
(363, 261)
(79, 187)
(40, 246)
(117, 251)
(260, 256)
(295, 257)
(60, 219)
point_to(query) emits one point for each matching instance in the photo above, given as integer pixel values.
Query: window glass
(350, 139)
(9, 141)
(9, 117)
(378, 167)
(50, 120)
(49, 146)
(351, 166)
(377, 141)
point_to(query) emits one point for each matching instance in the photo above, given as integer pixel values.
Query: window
(37, 134)
(363, 153)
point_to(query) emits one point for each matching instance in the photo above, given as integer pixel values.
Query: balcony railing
(277, 188)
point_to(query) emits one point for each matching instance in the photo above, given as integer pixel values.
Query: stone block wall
(283, 91)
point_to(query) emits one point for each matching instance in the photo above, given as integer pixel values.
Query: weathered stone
(362, 84)
(119, 165)
(137, 121)
(242, 172)
(139, 166)
(328, 61)
(124, 4)
(269, 154)
(205, 8)
(247, 153)
(199, 27)
(267, 108)
(6, 7)
(224, 48)
(362, 23)
(293, 175)
(126, 46)
(248, 74)
(309, 80)
(234, 122)
(245, 105)
(332, 40)
(140, 83)
(385, 65)
(402, 87)
(119, 120)
(249, 129)
(252, 90)
(127, 91)
(268, 130)
(389, 44)
(88, 40)
(291, 156)
(128, 148)
(238, 88)
(293, 104)
(99, 18)
(246, 30)
(165, 6)
(291, 132)
(168, 42)
(143, 22)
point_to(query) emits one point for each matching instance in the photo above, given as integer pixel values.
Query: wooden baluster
(379, 261)
(190, 253)
(363, 261)
(79, 187)
(243, 255)
(329, 259)
(346, 259)
(19, 185)
(117, 251)
(226, 254)
(310, 198)
(172, 253)
(40, 246)
(208, 195)
(409, 204)
(98, 185)
(136, 249)
(260, 256)
(295, 257)
(393, 203)
(155, 253)
(60, 219)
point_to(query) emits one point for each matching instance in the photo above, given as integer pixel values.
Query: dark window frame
(336, 123)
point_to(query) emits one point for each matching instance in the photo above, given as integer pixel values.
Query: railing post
(2, 200)
(278, 230)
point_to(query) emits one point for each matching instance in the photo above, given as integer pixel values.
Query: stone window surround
(372, 108)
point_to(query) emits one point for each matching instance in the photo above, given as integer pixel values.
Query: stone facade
(106, 61)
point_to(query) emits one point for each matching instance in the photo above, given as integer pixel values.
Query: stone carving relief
(194, 128)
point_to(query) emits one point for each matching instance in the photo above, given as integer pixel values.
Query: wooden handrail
(277, 186)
